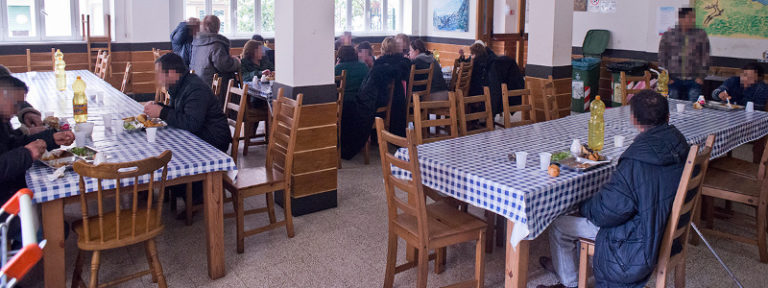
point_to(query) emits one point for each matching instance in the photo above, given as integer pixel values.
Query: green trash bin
(584, 85)
(632, 68)
(586, 71)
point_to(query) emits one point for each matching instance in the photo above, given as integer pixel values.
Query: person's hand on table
(36, 148)
(699, 81)
(152, 110)
(64, 138)
(724, 95)
(33, 120)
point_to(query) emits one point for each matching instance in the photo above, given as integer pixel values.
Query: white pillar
(550, 30)
(304, 56)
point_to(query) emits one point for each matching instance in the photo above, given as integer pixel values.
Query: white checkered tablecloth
(475, 169)
(191, 156)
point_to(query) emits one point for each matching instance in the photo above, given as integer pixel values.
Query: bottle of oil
(61, 73)
(80, 102)
(596, 124)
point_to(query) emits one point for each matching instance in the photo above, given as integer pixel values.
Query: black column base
(309, 204)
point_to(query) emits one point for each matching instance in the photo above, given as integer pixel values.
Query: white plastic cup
(80, 137)
(544, 159)
(48, 114)
(107, 121)
(151, 134)
(520, 158)
(750, 106)
(99, 96)
(86, 127)
(618, 141)
(680, 107)
(576, 146)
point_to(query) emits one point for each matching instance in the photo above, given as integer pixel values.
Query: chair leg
(94, 283)
(366, 151)
(389, 274)
(189, 205)
(76, 278)
(288, 214)
(708, 208)
(500, 231)
(440, 254)
(680, 274)
(761, 241)
(480, 260)
(490, 218)
(240, 221)
(151, 265)
(158, 267)
(171, 200)
(583, 265)
(271, 207)
(249, 132)
(422, 267)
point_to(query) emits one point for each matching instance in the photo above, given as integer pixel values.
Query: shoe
(546, 263)
(558, 285)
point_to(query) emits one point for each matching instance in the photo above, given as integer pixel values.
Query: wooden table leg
(214, 223)
(54, 265)
(516, 268)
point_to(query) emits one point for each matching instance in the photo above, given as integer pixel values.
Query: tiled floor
(346, 247)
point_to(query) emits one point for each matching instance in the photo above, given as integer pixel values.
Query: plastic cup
(618, 141)
(107, 121)
(521, 157)
(99, 96)
(680, 107)
(750, 106)
(544, 158)
(151, 134)
(86, 127)
(80, 137)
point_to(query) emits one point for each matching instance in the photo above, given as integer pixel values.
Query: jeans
(684, 90)
(563, 245)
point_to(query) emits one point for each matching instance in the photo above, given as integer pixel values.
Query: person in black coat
(481, 64)
(627, 217)
(182, 36)
(504, 70)
(18, 151)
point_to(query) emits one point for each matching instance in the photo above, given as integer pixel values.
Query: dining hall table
(477, 169)
(193, 160)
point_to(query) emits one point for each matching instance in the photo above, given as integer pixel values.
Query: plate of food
(585, 160)
(723, 106)
(58, 158)
(137, 123)
(86, 153)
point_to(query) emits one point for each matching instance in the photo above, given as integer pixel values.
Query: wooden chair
(99, 59)
(625, 80)
(742, 182)
(424, 227)
(32, 61)
(547, 98)
(466, 116)
(381, 110)
(426, 83)
(444, 128)
(216, 85)
(120, 228)
(341, 84)
(162, 96)
(464, 78)
(103, 67)
(101, 41)
(454, 74)
(126, 78)
(673, 244)
(155, 54)
(256, 115)
(275, 176)
(527, 114)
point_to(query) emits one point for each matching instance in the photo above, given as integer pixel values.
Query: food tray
(581, 164)
(58, 158)
(86, 153)
(722, 106)
(133, 125)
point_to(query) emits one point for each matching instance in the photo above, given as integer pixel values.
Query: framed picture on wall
(452, 18)
(580, 5)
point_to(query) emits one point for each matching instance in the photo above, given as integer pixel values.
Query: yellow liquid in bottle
(596, 125)
(61, 74)
(80, 102)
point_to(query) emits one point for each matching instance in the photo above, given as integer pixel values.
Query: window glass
(246, 16)
(267, 15)
(375, 15)
(22, 22)
(57, 15)
(393, 15)
(340, 16)
(222, 10)
(358, 15)
(95, 9)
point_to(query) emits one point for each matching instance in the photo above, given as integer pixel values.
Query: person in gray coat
(210, 53)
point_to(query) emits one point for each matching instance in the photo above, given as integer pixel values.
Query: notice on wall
(594, 6)
(666, 18)
(601, 6)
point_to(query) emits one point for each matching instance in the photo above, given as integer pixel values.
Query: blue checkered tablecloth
(476, 169)
(191, 156)
(261, 90)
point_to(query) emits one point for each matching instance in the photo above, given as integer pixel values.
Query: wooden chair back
(238, 106)
(546, 100)
(625, 80)
(466, 114)
(155, 54)
(464, 77)
(37, 60)
(126, 77)
(421, 87)
(341, 85)
(162, 96)
(103, 67)
(216, 85)
(282, 135)
(386, 110)
(684, 206)
(114, 229)
(414, 202)
(527, 114)
(454, 74)
(99, 59)
(424, 126)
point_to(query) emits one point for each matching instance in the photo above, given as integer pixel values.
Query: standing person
(182, 36)
(365, 53)
(422, 58)
(210, 53)
(684, 52)
(627, 217)
(253, 60)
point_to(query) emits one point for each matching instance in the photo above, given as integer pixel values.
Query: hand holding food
(724, 95)
(152, 110)
(36, 148)
(64, 138)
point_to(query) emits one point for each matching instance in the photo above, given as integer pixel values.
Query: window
(375, 16)
(239, 18)
(42, 20)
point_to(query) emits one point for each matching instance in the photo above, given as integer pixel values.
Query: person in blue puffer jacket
(182, 36)
(628, 215)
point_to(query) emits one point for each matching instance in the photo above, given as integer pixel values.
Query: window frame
(232, 21)
(367, 19)
(40, 18)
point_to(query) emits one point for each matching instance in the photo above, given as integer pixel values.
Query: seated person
(365, 53)
(481, 64)
(631, 208)
(403, 43)
(356, 73)
(31, 119)
(18, 151)
(210, 53)
(253, 60)
(257, 37)
(749, 86)
(422, 58)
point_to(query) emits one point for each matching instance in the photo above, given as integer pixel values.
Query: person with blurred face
(210, 53)
(182, 36)
(19, 151)
(403, 43)
(422, 58)
(253, 60)
(747, 87)
(365, 53)
(684, 52)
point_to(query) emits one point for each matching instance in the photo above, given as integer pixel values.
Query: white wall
(305, 35)
(633, 27)
(138, 21)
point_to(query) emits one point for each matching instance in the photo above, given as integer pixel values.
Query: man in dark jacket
(18, 151)
(747, 87)
(193, 106)
(182, 36)
(628, 215)
(210, 53)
